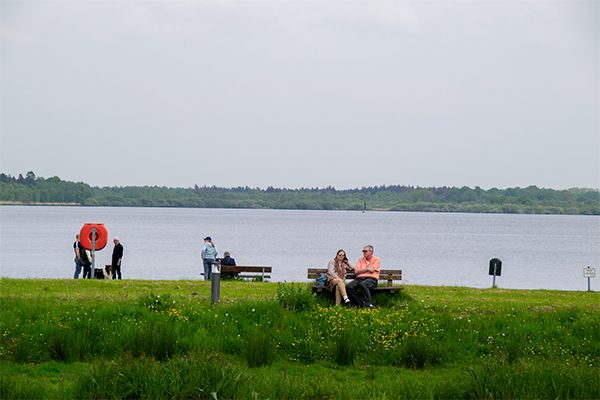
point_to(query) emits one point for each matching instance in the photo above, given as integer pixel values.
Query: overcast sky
(302, 93)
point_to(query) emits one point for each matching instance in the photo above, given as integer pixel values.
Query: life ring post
(93, 237)
(100, 235)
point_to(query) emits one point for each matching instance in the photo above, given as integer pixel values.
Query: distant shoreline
(20, 203)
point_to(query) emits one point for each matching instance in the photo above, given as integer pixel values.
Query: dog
(104, 273)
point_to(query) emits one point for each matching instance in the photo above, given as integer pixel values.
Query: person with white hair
(367, 274)
(117, 256)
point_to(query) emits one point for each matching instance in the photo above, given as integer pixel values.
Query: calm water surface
(537, 251)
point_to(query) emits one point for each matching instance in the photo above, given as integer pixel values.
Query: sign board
(589, 272)
(495, 267)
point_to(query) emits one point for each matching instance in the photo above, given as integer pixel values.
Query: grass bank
(163, 339)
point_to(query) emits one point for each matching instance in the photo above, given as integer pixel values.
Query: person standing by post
(86, 261)
(117, 256)
(367, 274)
(209, 255)
(78, 262)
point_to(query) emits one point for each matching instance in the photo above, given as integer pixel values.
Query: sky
(295, 94)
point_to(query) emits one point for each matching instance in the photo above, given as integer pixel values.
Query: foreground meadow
(81, 339)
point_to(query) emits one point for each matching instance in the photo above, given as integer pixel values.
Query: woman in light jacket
(209, 255)
(336, 275)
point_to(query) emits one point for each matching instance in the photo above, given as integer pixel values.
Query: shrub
(417, 353)
(260, 349)
(295, 297)
(157, 302)
(345, 347)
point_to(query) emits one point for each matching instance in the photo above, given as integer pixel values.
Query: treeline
(531, 200)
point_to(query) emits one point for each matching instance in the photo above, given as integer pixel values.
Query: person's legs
(341, 288)
(87, 271)
(207, 269)
(77, 269)
(352, 290)
(116, 271)
(365, 288)
(335, 283)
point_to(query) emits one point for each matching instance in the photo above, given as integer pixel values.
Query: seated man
(367, 274)
(227, 260)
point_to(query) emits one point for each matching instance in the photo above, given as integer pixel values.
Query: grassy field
(78, 339)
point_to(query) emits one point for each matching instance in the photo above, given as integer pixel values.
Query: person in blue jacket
(209, 255)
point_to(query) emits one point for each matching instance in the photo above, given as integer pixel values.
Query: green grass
(74, 339)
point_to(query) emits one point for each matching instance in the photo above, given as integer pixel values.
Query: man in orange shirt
(367, 274)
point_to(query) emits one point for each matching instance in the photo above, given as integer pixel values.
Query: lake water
(451, 249)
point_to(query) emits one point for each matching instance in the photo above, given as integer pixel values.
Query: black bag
(83, 261)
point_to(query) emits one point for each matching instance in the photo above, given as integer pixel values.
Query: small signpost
(589, 273)
(495, 269)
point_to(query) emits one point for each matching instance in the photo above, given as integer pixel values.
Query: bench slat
(388, 275)
(390, 289)
(384, 274)
(241, 268)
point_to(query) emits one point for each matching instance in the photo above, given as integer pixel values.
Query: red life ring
(86, 236)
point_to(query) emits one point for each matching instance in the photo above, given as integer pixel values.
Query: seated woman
(336, 275)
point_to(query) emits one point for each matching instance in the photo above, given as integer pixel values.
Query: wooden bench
(248, 271)
(388, 275)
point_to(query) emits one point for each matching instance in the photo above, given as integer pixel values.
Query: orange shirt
(362, 263)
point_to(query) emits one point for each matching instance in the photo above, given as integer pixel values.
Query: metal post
(93, 252)
(494, 280)
(589, 290)
(215, 283)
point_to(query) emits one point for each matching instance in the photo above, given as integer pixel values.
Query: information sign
(589, 272)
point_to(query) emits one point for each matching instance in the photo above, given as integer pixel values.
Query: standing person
(336, 276)
(117, 256)
(86, 261)
(367, 274)
(209, 255)
(78, 262)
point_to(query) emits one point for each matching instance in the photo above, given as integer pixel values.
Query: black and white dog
(104, 273)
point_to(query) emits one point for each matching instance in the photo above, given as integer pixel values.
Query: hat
(208, 238)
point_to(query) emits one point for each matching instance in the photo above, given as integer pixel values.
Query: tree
(30, 178)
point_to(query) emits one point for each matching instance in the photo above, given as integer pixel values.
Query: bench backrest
(384, 274)
(242, 268)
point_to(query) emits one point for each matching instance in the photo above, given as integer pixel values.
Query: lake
(450, 249)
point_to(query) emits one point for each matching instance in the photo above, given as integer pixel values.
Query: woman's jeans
(207, 268)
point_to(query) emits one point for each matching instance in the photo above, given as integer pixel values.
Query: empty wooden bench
(387, 275)
(248, 271)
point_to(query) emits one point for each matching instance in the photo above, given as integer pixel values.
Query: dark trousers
(87, 271)
(116, 270)
(362, 298)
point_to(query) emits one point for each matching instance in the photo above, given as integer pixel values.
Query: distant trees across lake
(530, 200)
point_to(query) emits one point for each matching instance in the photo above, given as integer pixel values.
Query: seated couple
(367, 274)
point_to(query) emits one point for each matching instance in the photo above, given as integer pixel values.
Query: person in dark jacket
(227, 260)
(86, 261)
(117, 256)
